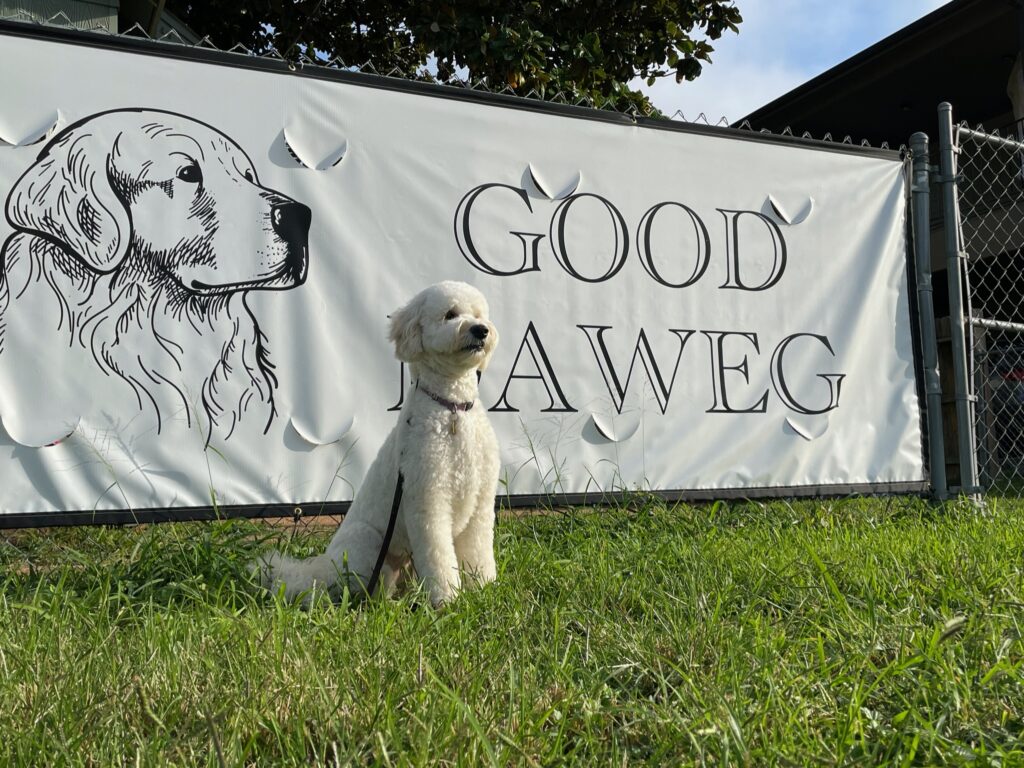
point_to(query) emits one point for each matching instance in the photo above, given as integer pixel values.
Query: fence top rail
(992, 138)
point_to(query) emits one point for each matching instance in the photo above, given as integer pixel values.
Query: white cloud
(781, 44)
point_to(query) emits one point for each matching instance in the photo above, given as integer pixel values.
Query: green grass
(875, 632)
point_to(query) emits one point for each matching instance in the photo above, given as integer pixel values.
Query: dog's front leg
(428, 519)
(474, 546)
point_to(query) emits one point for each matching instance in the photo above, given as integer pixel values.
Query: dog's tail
(298, 577)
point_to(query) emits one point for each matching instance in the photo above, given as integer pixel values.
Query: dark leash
(386, 544)
(396, 501)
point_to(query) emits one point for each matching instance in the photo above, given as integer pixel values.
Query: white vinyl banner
(199, 261)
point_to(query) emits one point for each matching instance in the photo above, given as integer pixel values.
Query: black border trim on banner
(201, 55)
(339, 508)
(312, 509)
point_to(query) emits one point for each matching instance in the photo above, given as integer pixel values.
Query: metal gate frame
(948, 176)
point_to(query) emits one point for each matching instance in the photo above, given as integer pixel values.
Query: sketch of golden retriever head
(166, 195)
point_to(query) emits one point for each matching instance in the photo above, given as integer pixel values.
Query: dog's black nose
(291, 222)
(479, 331)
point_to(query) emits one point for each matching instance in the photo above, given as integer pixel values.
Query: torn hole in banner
(41, 432)
(324, 435)
(315, 153)
(809, 430)
(25, 132)
(615, 430)
(534, 183)
(773, 207)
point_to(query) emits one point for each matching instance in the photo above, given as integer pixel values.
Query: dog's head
(445, 327)
(171, 192)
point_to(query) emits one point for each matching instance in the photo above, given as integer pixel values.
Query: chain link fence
(975, 408)
(974, 380)
(989, 215)
(309, 518)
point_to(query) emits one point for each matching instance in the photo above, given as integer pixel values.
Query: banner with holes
(201, 250)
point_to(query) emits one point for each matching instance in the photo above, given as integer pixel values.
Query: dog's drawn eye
(191, 174)
(248, 176)
(452, 314)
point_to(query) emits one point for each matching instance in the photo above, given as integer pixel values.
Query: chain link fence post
(921, 229)
(957, 316)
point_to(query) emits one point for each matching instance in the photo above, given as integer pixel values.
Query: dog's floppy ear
(406, 332)
(68, 196)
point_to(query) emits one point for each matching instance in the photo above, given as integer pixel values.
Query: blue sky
(781, 44)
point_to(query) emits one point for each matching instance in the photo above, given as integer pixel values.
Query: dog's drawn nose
(291, 222)
(479, 331)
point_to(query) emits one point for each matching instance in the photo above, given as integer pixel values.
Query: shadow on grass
(172, 565)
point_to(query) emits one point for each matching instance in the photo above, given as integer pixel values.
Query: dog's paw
(261, 570)
(440, 604)
(481, 574)
(442, 597)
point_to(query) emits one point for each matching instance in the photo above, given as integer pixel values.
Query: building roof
(962, 53)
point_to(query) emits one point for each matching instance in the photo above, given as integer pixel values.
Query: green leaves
(586, 50)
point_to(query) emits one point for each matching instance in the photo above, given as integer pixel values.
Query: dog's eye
(452, 314)
(248, 176)
(191, 174)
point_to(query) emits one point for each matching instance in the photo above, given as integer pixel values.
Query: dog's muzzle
(291, 223)
(479, 333)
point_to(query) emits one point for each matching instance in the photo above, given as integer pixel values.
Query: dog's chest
(457, 448)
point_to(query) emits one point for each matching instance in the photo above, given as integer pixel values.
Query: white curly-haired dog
(447, 453)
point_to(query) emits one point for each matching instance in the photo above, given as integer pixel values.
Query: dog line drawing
(138, 233)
